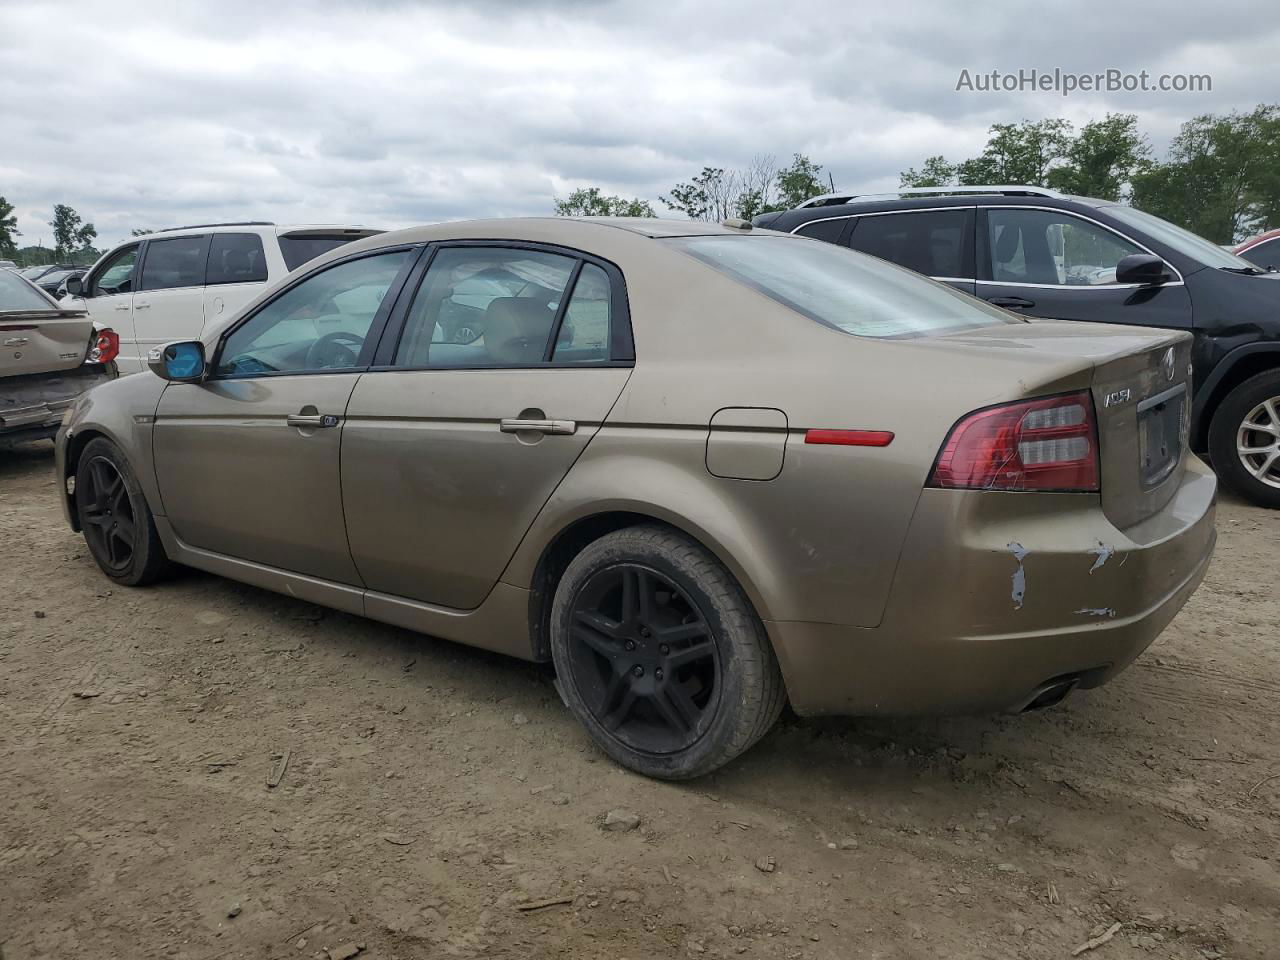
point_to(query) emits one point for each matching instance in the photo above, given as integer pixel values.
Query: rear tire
(114, 517)
(661, 656)
(1244, 439)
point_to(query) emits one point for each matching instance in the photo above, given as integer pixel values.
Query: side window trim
(622, 345)
(376, 327)
(984, 261)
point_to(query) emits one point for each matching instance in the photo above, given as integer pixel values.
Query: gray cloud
(395, 112)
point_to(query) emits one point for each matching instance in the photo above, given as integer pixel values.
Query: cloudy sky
(391, 113)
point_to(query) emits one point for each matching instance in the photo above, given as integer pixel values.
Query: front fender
(124, 412)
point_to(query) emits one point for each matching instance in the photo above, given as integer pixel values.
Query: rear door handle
(539, 426)
(141, 306)
(1013, 303)
(311, 420)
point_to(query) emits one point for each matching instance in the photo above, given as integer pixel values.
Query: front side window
(116, 275)
(320, 323)
(835, 286)
(1047, 247)
(930, 242)
(484, 306)
(236, 258)
(175, 263)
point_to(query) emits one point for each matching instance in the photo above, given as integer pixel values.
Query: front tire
(1244, 439)
(661, 656)
(114, 517)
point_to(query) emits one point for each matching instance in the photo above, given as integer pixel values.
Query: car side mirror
(1141, 268)
(75, 286)
(180, 362)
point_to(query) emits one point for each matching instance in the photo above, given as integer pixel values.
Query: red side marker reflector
(850, 438)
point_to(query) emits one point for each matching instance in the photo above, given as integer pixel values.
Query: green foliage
(8, 230)
(936, 172)
(70, 234)
(1106, 156)
(717, 193)
(1221, 178)
(584, 202)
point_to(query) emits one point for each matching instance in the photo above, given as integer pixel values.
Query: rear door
(169, 304)
(509, 359)
(937, 242)
(1043, 262)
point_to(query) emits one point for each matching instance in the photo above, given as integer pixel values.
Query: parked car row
(1043, 254)
(703, 469)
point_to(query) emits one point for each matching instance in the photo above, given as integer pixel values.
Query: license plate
(1161, 425)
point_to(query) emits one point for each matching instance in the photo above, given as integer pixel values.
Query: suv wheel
(1244, 439)
(114, 516)
(660, 655)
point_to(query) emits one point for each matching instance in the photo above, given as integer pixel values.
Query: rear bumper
(32, 406)
(998, 596)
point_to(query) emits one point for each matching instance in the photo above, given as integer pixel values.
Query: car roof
(255, 226)
(568, 230)
(1260, 238)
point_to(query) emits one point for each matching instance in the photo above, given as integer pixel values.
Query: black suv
(1045, 254)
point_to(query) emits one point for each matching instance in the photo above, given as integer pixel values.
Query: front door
(247, 461)
(169, 304)
(1057, 265)
(508, 362)
(108, 296)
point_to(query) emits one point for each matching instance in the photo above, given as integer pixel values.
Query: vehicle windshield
(17, 294)
(1184, 241)
(852, 292)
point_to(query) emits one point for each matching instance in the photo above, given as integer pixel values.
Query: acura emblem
(1167, 364)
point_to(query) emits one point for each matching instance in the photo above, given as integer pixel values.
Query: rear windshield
(850, 291)
(17, 294)
(298, 250)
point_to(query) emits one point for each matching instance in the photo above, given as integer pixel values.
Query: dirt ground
(431, 791)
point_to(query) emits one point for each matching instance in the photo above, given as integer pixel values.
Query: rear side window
(236, 258)
(175, 263)
(842, 289)
(828, 230)
(930, 242)
(584, 331)
(298, 250)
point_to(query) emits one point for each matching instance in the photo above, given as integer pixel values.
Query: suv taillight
(104, 347)
(1046, 444)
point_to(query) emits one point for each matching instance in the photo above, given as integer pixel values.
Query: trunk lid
(37, 334)
(1140, 382)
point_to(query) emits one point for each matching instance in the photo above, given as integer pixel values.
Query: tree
(70, 233)
(718, 194)
(935, 172)
(1221, 178)
(585, 202)
(1103, 159)
(8, 229)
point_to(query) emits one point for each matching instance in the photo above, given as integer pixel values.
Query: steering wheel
(334, 350)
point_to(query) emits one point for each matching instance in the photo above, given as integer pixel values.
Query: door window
(116, 275)
(1047, 247)
(318, 324)
(828, 230)
(929, 242)
(584, 332)
(486, 306)
(175, 263)
(236, 258)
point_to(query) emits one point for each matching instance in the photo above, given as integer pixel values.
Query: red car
(1264, 249)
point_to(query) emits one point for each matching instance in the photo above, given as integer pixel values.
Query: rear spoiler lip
(6, 315)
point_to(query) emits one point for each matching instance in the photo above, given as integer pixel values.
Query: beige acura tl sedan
(704, 470)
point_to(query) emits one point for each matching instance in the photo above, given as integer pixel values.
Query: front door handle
(311, 421)
(124, 306)
(539, 426)
(1013, 303)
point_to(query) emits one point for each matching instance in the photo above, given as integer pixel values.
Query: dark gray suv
(1045, 254)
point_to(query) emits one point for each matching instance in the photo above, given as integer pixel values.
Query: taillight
(1046, 444)
(104, 348)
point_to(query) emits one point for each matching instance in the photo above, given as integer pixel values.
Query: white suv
(176, 284)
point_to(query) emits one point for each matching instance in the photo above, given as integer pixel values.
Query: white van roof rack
(1007, 190)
